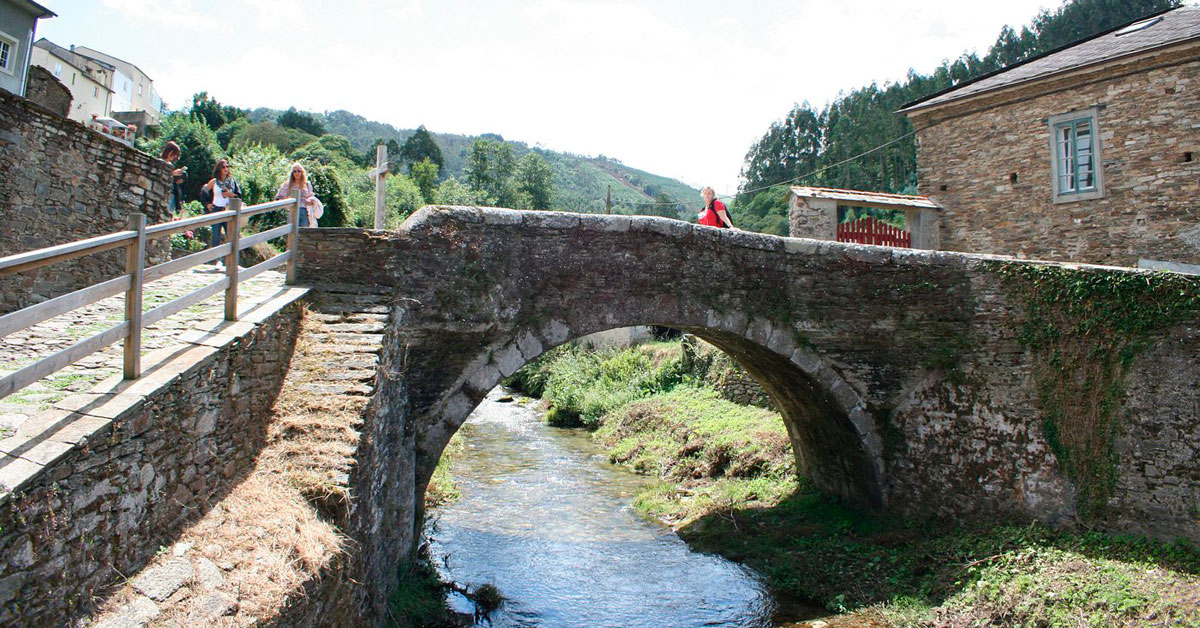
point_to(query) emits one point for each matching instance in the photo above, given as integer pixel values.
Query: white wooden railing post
(233, 233)
(380, 173)
(135, 266)
(293, 237)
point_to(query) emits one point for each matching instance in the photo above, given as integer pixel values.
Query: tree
(268, 133)
(208, 110)
(419, 146)
(302, 121)
(259, 170)
(451, 192)
(329, 149)
(534, 179)
(199, 146)
(424, 174)
(489, 166)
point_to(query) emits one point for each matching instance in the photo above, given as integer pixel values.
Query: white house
(89, 95)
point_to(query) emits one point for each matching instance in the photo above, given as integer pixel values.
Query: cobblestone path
(29, 345)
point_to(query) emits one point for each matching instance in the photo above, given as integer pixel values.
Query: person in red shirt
(714, 214)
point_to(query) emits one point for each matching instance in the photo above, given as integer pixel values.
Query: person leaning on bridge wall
(714, 213)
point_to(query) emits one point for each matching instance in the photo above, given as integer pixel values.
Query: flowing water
(547, 520)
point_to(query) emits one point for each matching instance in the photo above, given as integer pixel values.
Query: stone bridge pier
(899, 373)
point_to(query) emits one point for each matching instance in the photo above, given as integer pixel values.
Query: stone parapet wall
(60, 182)
(94, 487)
(987, 161)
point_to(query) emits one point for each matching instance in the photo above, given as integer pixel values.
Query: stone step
(337, 389)
(357, 328)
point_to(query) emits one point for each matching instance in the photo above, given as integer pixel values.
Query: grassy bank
(728, 485)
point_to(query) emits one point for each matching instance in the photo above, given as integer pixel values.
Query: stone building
(1088, 153)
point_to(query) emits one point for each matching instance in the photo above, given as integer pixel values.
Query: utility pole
(380, 171)
(608, 200)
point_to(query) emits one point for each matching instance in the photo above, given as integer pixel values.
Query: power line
(792, 180)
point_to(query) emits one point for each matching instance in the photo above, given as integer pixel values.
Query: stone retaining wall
(94, 487)
(60, 182)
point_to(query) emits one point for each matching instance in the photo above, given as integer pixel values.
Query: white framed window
(1077, 169)
(57, 70)
(8, 53)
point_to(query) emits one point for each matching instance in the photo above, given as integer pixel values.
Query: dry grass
(278, 530)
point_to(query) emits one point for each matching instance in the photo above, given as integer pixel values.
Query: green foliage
(270, 134)
(301, 121)
(584, 385)
(489, 167)
(260, 170)
(420, 146)
(820, 148)
(451, 192)
(1084, 328)
(403, 198)
(534, 181)
(424, 174)
(212, 113)
(227, 132)
(691, 433)
(329, 150)
(199, 147)
(420, 601)
(327, 186)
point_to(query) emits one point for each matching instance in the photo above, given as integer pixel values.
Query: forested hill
(580, 182)
(827, 142)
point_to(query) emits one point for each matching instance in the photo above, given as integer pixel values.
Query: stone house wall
(99, 484)
(47, 91)
(987, 161)
(60, 182)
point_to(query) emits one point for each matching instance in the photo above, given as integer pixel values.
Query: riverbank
(727, 484)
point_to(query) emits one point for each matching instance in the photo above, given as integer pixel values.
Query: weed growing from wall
(1084, 327)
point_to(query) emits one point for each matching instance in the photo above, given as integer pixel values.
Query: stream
(549, 521)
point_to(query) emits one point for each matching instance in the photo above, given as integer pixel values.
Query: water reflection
(547, 520)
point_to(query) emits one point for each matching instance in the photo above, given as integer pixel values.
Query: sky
(680, 88)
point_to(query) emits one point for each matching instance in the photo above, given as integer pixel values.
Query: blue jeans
(218, 229)
(303, 216)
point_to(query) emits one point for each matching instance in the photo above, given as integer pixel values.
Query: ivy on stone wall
(1084, 327)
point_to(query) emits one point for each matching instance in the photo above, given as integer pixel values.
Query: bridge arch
(834, 437)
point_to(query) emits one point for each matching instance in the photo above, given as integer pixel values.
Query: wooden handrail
(63, 252)
(136, 276)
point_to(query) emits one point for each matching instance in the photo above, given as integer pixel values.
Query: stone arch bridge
(899, 373)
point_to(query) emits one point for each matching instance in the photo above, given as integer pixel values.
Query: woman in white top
(220, 189)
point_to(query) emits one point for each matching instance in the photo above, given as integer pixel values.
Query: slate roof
(1169, 28)
(860, 198)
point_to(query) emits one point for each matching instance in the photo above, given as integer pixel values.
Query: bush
(583, 385)
(199, 146)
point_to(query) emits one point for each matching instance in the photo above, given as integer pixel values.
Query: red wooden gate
(873, 231)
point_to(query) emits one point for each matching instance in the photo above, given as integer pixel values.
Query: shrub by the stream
(582, 386)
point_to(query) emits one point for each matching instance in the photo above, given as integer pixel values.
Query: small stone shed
(1089, 153)
(813, 213)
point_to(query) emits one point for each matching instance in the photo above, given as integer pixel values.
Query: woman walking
(297, 181)
(714, 213)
